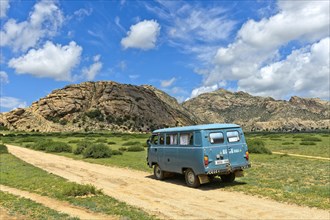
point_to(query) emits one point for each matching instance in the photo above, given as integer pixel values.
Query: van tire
(158, 173)
(191, 179)
(228, 178)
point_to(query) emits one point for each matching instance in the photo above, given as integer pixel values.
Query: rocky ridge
(100, 105)
(256, 113)
(122, 107)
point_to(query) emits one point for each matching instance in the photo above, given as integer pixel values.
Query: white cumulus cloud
(11, 103)
(254, 60)
(4, 6)
(94, 69)
(44, 21)
(142, 35)
(4, 77)
(53, 61)
(167, 83)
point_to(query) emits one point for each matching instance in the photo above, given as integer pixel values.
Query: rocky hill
(100, 105)
(121, 107)
(260, 113)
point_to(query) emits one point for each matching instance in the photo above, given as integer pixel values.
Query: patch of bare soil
(303, 156)
(169, 199)
(57, 205)
(4, 215)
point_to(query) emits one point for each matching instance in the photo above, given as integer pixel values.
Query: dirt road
(169, 199)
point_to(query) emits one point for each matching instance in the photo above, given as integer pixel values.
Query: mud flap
(239, 173)
(203, 178)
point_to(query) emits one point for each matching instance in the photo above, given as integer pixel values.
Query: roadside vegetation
(28, 209)
(21, 175)
(280, 177)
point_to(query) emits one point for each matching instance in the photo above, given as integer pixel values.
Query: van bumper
(228, 169)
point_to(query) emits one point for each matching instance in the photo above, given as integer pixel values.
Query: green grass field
(283, 178)
(18, 174)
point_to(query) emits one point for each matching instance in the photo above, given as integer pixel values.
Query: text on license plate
(218, 162)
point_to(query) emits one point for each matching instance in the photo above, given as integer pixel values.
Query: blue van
(200, 152)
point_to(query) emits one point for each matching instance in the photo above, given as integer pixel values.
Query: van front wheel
(228, 178)
(191, 179)
(158, 173)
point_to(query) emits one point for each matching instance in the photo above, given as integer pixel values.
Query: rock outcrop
(100, 105)
(260, 113)
(121, 107)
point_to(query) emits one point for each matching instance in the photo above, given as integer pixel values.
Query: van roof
(197, 127)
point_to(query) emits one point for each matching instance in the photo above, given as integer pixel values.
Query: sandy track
(166, 199)
(303, 156)
(57, 205)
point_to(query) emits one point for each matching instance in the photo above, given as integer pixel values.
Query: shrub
(97, 151)
(135, 148)
(51, 146)
(287, 143)
(311, 139)
(95, 114)
(308, 143)
(258, 147)
(81, 147)
(129, 143)
(80, 190)
(122, 148)
(74, 141)
(3, 149)
(58, 147)
(116, 152)
(112, 142)
(29, 139)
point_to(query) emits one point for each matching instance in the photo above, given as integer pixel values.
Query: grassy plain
(28, 209)
(18, 174)
(280, 177)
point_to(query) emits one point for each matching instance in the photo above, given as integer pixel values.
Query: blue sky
(185, 48)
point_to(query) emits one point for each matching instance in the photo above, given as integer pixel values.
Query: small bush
(51, 146)
(287, 143)
(97, 151)
(29, 139)
(3, 149)
(80, 190)
(111, 142)
(258, 147)
(135, 148)
(81, 147)
(308, 143)
(116, 152)
(311, 139)
(122, 148)
(130, 143)
(58, 147)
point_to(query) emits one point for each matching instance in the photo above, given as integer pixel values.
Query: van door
(235, 147)
(216, 150)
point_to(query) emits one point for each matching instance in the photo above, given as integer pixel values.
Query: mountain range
(107, 105)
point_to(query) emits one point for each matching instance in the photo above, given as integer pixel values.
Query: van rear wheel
(158, 173)
(228, 178)
(191, 179)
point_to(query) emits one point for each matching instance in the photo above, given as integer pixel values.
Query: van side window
(186, 139)
(216, 138)
(161, 139)
(171, 139)
(233, 136)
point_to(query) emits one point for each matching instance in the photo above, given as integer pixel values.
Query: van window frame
(238, 135)
(169, 135)
(191, 135)
(214, 132)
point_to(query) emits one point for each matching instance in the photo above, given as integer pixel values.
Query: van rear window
(216, 138)
(233, 136)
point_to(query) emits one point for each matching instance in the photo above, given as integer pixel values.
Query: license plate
(219, 162)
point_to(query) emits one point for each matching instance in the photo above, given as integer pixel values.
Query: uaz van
(200, 152)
